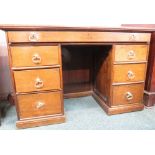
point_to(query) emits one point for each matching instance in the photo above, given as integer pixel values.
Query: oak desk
(49, 63)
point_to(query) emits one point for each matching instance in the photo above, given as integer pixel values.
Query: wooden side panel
(153, 78)
(150, 76)
(103, 67)
(149, 98)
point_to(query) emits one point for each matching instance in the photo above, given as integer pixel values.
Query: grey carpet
(85, 114)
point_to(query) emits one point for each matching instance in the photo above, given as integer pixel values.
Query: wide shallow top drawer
(76, 36)
(31, 56)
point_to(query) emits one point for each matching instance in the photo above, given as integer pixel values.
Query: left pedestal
(36, 72)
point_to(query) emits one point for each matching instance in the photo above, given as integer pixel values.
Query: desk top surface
(62, 28)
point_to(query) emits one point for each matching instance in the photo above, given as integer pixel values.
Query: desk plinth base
(118, 109)
(41, 121)
(149, 98)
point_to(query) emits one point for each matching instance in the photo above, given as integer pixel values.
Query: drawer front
(129, 72)
(34, 56)
(127, 94)
(76, 36)
(41, 104)
(130, 53)
(36, 80)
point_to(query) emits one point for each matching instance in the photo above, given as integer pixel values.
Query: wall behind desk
(5, 82)
(76, 12)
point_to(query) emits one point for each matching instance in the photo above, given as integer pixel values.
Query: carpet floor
(85, 114)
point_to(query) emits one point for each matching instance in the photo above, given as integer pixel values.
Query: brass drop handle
(38, 83)
(36, 59)
(33, 36)
(132, 37)
(40, 105)
(129, 96)
(131, 54)
(131, 75)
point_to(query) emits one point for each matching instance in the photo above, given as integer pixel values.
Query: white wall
(76, 13)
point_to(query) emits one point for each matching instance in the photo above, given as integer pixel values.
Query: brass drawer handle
(131, 54)
(39, 83)
(36, 59)
(129, 96)
(40, 105)
(33, 36)
(131, 75)
(132, 37)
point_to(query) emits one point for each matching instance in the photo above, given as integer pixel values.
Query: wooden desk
(47, 63)
(149, 97)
